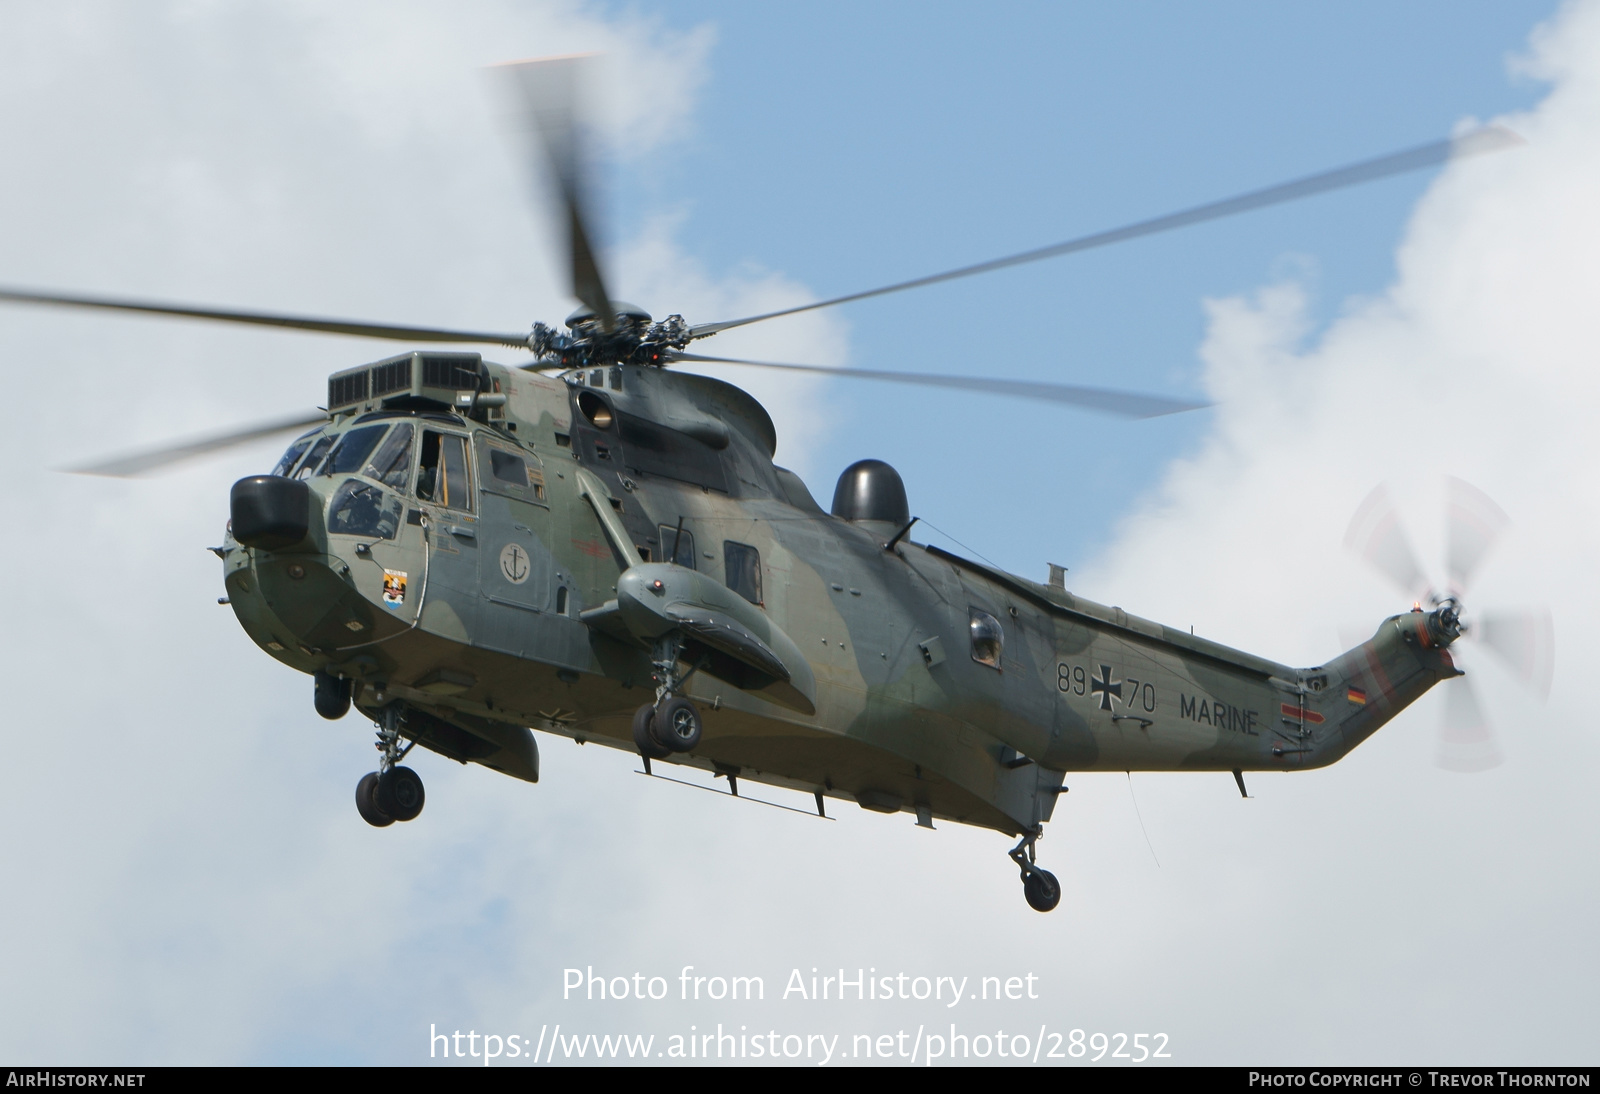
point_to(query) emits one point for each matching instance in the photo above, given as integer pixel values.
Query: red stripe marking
(1301, 712)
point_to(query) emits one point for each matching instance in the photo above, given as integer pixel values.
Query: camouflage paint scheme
(887, 705)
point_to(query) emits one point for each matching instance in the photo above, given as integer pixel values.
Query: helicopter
(598, 545)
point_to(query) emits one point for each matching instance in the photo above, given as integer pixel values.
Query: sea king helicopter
(597, 545)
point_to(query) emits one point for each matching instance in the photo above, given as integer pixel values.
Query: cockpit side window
(442, 471)
(392, 463)
(314, 457)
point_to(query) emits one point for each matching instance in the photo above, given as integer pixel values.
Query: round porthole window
(988, 639)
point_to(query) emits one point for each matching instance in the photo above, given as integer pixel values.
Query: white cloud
(186, 881)
(1397, 908)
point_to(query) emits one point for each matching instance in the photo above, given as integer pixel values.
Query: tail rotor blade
(1472, 524)
(1376, 535)
(547, 96)
(1466, 743)
(1525, 642)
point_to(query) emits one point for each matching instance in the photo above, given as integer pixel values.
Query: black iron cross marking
(1105, 687)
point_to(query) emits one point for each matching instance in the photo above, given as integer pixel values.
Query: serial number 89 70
(1079, 1045)
(1132, 694)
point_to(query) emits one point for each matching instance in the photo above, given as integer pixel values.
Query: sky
(188, 880)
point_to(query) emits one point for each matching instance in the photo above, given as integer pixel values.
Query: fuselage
(461, 559)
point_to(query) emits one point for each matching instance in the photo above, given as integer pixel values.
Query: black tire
(642, 738)
(330, 695)
(677, 725)
(367, 803)
(1042, 890)
(400, 793)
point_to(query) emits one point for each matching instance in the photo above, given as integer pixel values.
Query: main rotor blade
(145, 461)
(1375, 534)
(1126, 404)
(264, 319)
(1472, 523)
(1466, 743)
(1525, 641)
(547, 94)
(1491, 138)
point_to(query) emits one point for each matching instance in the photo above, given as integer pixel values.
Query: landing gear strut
(672, 723)
(391, 793)
(1039, 886)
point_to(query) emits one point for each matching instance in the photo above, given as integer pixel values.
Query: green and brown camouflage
(492, 551)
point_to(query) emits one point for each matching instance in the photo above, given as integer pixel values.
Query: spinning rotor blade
(1375, 534)
(1472, 523)
(154, 459)
(1126, 404)
(1491, 138)
(1525, 642)
(265, 319)
(547, 95)
(1466, 743)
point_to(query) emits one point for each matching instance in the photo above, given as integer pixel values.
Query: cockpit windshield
(392, 464)
(292, 456)
(353, 449)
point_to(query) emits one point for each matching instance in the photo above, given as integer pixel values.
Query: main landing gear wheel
(643, 740)
(1042, 890)
(366, 802)
(399, 793)
(676, 725)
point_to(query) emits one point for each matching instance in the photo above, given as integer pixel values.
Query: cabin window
(442, 472)
(742, 567)
(292, 456)
(508, 472)
(318, 450)
(675, 546)
(988, 639)
(392, 464)
(508, 469)
(361, 509)
(353, 449)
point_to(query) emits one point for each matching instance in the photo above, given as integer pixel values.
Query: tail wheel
(676, 725)
(367, 804)
(1042, 890)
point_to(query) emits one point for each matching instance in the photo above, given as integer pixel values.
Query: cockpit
(389, 457)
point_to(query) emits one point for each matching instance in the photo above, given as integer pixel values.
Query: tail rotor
(1522, 640)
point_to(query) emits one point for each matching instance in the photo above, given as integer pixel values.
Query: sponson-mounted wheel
(643, 740)
(366, 802)
(1042, 890)
(399, 793)
(676, 725)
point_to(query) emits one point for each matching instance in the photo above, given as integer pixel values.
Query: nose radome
(270, 512)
